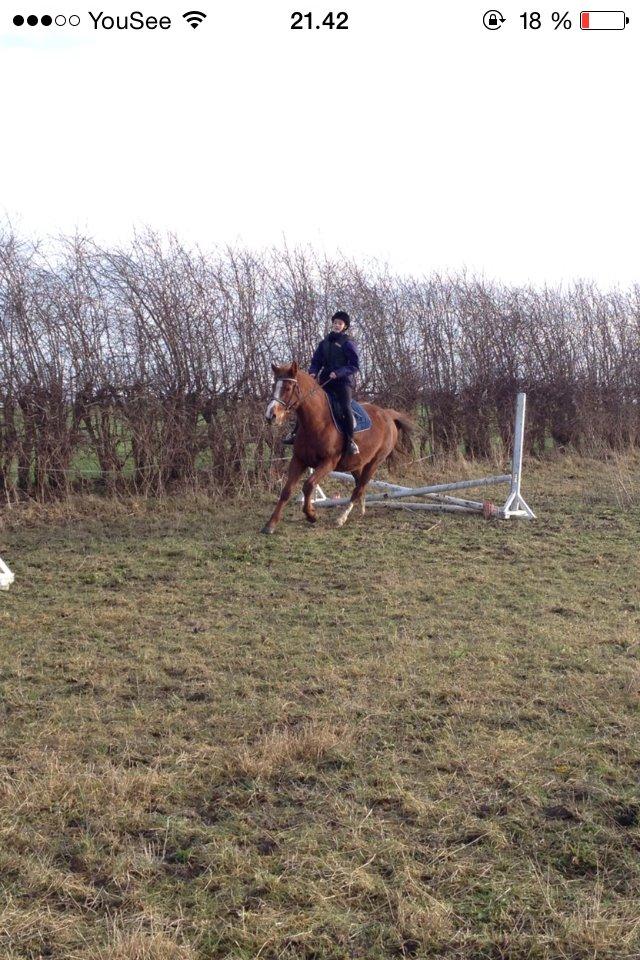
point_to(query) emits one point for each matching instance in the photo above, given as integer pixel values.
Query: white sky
(415, 137)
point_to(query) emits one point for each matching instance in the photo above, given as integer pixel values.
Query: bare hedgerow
(146, 367)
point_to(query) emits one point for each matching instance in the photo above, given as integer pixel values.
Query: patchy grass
(409, 737)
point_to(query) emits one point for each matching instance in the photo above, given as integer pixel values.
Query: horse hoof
(268, 529)
(311, 517)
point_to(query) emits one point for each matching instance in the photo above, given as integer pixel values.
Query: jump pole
(6, 576)
(396, 496)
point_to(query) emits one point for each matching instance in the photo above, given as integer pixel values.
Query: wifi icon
(194, 17)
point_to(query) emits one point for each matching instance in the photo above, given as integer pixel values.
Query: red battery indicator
(603, 20)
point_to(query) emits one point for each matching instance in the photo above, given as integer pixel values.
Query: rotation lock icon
(493, 20)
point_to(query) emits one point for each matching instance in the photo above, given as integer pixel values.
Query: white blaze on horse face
(270, 412)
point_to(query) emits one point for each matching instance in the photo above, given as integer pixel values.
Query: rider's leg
(344, 393)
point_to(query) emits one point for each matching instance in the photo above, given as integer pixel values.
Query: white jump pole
(516, 505)
(396, 496)
(6, 576)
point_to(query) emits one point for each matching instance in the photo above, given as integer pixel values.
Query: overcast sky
(416, 137)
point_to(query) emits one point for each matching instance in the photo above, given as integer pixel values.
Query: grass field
(410, 737)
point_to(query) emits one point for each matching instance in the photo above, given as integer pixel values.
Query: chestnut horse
(319, 444)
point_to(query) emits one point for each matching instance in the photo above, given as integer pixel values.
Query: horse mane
(304, 377)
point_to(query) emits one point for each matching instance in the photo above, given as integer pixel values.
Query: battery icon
(603, 20)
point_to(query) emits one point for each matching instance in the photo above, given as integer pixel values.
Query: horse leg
(296, 469)
(362, 478)
(320, 471)
(356, 474)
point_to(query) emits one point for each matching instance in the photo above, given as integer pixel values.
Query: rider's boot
(352, 447)
(290, 439)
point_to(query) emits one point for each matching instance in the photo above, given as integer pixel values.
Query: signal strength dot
(194, 17)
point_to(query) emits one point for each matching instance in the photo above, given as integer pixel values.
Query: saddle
(361, 417)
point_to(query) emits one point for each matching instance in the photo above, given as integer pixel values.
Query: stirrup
(290, 440)
(353, 448)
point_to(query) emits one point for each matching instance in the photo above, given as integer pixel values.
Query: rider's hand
(332, 375)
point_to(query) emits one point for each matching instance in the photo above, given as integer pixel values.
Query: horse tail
(404, 423)
(406, 427)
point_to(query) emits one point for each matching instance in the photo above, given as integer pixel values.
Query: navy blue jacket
(346, 372)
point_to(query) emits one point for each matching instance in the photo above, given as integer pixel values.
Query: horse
(319, 444)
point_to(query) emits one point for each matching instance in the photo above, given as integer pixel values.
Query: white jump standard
(6, 576)
(396, 496)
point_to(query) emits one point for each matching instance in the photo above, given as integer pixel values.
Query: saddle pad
(362, 418)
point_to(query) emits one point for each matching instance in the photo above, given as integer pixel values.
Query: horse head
(285, 392)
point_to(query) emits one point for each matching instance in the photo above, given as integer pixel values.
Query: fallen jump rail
(397, 496)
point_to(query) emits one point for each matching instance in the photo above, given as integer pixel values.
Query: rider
(335, 364)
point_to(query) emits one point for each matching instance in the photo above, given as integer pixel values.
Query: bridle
(288, 404)
(285, 404)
